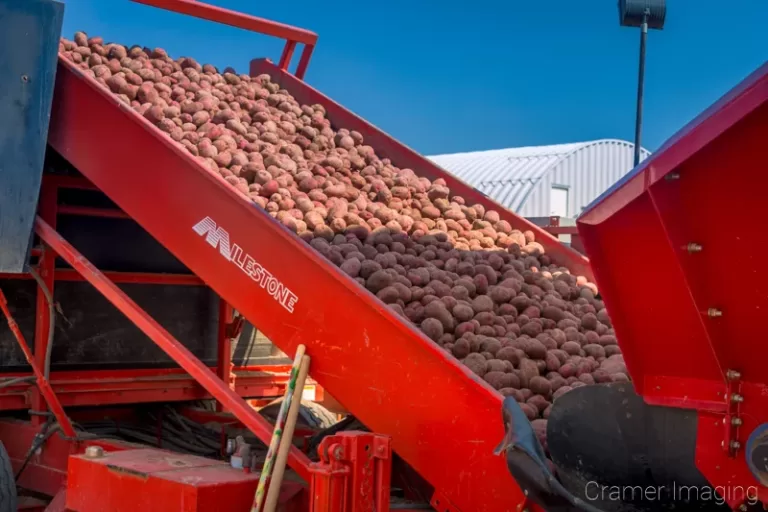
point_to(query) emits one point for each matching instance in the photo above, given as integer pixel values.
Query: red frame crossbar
(42, 382)
(170, 345)
(292, 35)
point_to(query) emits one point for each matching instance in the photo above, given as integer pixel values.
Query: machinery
(130, 301)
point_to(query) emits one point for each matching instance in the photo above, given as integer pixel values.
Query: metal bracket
(353, 474)
(732, 419)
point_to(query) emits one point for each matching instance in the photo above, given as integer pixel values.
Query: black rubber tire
(8, 498)
(311, 414)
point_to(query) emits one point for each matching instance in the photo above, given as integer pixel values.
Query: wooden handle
(277, 433)
(287, 440)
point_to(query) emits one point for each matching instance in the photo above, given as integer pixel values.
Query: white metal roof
(509, 175)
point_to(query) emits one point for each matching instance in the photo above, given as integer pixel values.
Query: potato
(589, 321)
(476, 363)
(497, 379)
(432, 328)
(540, 429)
(515, 393)
(539, 402)
(531, 412)
(571, 347)
(540, 386)
(510, 354)
(533, 348)
(594, 350)
(526, 371)
(568, 370)
(461, 348)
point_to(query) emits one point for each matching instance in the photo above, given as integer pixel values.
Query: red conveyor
(443, 420)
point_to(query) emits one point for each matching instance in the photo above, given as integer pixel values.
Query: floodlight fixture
(644, 14)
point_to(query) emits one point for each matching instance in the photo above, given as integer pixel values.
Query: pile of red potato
(483, 291)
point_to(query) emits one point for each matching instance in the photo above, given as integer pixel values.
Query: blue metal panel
(29, 43)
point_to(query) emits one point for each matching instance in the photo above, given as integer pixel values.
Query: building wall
(586, 173)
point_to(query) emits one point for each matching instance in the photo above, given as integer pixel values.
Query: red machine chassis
(698, 204)
(436, 414)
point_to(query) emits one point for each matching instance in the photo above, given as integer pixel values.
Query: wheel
(311, 415)
(8, 499)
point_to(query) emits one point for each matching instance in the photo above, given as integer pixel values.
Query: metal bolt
(692, 247)
(714, 313)
(24, 78)
(737, 398)
(672, 176)
(736, 422)
(735, 445)
(94, 452)
(732, 375)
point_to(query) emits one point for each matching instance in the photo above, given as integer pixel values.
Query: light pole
(644, 14)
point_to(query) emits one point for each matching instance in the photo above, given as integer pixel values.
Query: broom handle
(287, 440)
(277, 433)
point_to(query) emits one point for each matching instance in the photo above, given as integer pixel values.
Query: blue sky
(444, 78)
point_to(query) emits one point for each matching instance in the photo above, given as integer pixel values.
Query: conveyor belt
(443, 420)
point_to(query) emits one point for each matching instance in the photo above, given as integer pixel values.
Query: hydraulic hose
(51, 321)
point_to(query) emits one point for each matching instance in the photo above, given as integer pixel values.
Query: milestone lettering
(218, 237)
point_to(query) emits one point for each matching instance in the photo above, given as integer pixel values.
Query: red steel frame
(111, 387)
(689, 318)
(196, 369)
(362, 354)
(373, 363)
(292, 35)
(555, 229)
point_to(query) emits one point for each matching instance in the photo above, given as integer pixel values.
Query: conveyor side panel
(443, 420)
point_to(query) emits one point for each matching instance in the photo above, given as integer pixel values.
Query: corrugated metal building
(544, 180)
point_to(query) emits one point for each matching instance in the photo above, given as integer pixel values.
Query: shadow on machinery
(609, 452)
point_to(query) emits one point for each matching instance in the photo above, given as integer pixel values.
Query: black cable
(17, 380)
(39, 440)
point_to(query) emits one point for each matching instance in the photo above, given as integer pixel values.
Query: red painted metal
(88, 486)
(224, 343)
(58, 503)
(554, 228)
(224, 348)
(86, 211)
(42, 382)
(353, 474)
(292, 35)
(170, 345)
(684, 279)
(136, 277)
(113, 387)
(364, 356)
(64, 181)
(156, 480)
(46, 472)
(387, 146)
(122, 277)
